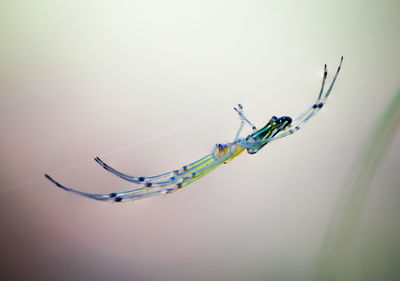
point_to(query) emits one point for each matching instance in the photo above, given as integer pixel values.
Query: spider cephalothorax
(233, 149)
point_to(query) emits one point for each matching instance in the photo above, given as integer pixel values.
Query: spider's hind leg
(316, 103)
(319, 103)
(303, 118)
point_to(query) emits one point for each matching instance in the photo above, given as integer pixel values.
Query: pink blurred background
(150, 86)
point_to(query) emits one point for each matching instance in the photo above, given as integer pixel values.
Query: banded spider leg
(243, 119)
(303, 118)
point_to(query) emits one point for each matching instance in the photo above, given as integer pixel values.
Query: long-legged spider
(276, 128)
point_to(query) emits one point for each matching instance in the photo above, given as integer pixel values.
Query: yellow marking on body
(237, 149)
(267, 135)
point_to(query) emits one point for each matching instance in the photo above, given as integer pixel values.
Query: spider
(166, 183)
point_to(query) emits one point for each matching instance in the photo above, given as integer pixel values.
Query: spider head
(221, 150)
(274, 126)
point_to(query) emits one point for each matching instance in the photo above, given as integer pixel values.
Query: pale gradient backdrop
(150, 86)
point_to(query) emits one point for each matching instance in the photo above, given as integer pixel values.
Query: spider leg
(136, 196)
(301, 116)
(173, 186)
(320, 102)
(243, 119)
(134, 179)
(144, 191)
(310, 113)
(239, 130)
(96, 196)
(173, 176)
(333, 81)
(139, 194)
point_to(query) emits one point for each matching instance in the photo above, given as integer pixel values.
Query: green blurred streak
(337, 258)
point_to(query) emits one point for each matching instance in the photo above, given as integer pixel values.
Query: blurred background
(149, 86)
